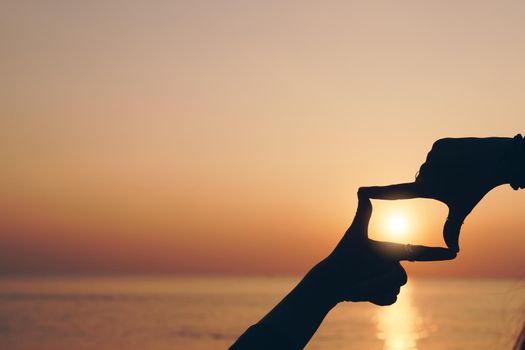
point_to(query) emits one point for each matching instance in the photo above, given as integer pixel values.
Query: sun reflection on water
(400, 325)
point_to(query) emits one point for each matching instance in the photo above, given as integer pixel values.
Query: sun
(397, 224)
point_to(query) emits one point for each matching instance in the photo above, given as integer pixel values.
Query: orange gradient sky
(231, 136)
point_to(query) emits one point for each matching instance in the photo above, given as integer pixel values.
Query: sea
(198, 313)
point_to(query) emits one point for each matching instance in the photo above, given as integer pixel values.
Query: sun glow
(397, 224)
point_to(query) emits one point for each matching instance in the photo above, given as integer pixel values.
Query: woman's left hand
(361, 269)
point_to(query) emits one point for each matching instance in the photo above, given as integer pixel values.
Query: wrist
(332, 281)
(516, 169)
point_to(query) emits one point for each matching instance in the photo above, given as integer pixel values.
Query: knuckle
(393, 300)
(440, 143)
(388, 301)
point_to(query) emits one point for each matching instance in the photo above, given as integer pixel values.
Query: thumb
(452, 227)
(362, 217)
(458, 211)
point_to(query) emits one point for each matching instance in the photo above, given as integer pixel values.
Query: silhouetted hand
(460, 172)
(361, 269)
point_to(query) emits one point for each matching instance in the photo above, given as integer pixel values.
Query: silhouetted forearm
(297, 316)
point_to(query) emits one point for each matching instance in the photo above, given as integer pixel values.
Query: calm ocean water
(197, 313)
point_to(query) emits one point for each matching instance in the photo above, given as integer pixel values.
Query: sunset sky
(232, 136)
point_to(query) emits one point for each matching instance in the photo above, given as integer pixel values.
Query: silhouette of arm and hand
(359, 269)
(460, 172)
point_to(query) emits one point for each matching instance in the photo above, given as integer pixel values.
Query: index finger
(397, 252)
(399, 191)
